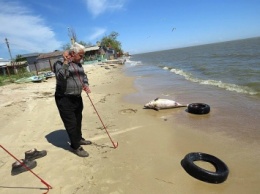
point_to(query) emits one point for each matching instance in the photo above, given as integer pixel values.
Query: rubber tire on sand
(195, 171)
(198, 108)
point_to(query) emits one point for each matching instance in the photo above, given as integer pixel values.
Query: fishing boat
(49, 74)
(36, 79)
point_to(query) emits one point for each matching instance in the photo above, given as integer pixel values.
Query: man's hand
(86, 89)
(67, 57)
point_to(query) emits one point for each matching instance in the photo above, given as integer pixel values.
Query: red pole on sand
(45, 183)
(114, 144)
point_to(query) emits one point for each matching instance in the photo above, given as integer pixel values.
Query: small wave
(180, 72)
(220, 84)
(229, 87)
(133, 63)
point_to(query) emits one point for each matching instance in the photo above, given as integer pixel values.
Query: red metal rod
(114, 144)
(45, 183)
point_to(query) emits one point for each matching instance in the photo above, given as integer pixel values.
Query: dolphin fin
(156, 108)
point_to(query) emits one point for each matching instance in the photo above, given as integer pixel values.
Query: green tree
(111, 41)
(19, 58)
(85, 44)
(66, 46)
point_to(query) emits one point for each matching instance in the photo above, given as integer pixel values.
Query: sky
(142, 25)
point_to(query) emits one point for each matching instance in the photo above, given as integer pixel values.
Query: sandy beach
(147, 160)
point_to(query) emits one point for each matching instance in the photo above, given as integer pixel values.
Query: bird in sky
(173, 29)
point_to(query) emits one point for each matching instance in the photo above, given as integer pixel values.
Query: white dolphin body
(158, 104)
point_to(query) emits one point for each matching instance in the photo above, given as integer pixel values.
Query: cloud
(97, 7)
(98, 32)
(25, 32)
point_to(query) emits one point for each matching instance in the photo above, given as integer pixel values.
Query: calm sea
(233, 66)
(224, 75)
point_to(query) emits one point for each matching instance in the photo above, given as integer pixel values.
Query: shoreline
(147, 160)
(232, 113)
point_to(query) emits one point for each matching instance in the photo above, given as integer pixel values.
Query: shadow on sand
(59, 138)
(19, 188)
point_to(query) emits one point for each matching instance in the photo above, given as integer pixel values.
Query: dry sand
(147, 159)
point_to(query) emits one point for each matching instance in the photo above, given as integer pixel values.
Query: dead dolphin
(158, 104)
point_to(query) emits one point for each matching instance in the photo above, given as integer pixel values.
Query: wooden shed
(46, 60)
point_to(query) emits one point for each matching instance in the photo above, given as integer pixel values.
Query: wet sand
(151, 144)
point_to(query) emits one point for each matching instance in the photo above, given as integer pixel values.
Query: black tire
(198, 108)
(195, 171)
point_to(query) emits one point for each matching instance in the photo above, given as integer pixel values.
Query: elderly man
(70, 81)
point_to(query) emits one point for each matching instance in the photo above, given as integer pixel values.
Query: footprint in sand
(2, 163)
(128, 111)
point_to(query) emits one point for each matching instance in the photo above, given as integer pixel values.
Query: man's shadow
(59, 138)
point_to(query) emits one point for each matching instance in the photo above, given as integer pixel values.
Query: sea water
(225, 75)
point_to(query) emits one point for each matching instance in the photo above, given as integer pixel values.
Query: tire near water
(195, 171)
(198, 108)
